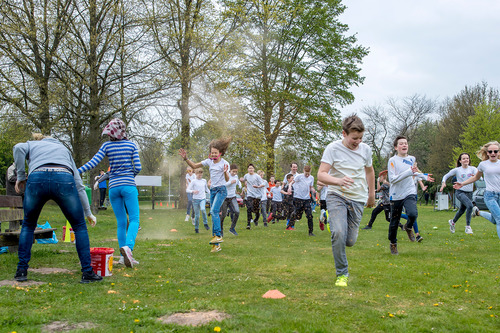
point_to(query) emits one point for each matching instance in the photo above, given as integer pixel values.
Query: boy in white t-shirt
(198, 189)
(253, 184)
(346, 167)
(230, 205)
(189, 177)
(303, 185)
(276, 202)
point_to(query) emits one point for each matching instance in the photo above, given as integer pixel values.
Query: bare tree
(377, 129)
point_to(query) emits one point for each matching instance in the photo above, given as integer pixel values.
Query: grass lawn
(447, 283)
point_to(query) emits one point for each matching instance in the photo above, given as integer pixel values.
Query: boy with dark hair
(303, 185)
(346, 167)
(231, 204)
(403, 193)
(253, 184)
(287, 192)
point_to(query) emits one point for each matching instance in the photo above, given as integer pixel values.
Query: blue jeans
(199, 205)
(60, 187)
(465, 199)
(125, 199)
(217, 196)
(344, 217)
(190, 203)
(492, 201)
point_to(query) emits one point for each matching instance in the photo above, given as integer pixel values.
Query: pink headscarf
(115, 129)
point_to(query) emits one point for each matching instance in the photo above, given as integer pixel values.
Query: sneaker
(248, 226)
(322, 216)
(452, 226)
(321, 225)
(265, 224)
(256, 222)
(215, 248)
(368, 227)
(196, 231)
(475, 211)
(90, 277)
(289, 228)
(233, 232)
(207, 227)
(394, 249)
(21, 275)
(419, 238)
(409, 231)
(127, 256)
(122, 261)
(311, 234)
(468, 230)
(187, 218)
(216, 240)
(270, 217)
(192, 221)
(341, 281)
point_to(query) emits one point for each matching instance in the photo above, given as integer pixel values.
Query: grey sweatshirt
(48, 151)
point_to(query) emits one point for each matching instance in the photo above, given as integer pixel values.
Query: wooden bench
(11, 210)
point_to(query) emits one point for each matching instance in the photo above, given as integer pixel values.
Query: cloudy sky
(428, 47)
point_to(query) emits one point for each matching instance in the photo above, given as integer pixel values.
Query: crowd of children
(345, 186)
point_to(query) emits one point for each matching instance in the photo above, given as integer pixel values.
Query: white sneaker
(468, 230)
(127, 256)
(192, 221)
(187, 218)
(452, 226)
(122, 261)
(475, 211)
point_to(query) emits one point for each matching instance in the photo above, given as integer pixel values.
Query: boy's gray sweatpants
(344, 217)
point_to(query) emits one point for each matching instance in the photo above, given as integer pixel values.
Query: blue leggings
(121, 197)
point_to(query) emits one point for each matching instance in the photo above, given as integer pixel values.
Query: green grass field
(447, 283)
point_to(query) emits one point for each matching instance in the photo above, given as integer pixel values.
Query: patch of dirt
(195, 318)
(49, 270)
(14, 283)
(64, 326)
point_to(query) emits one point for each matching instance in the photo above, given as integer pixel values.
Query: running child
(230, 205)
(384, 205)
(198, 189)
(346, 166)
(287, 192)
(403, 192)
(263, 199)
(253, 184)
(219, 175)
(303, 185)
(323, 190)
(462, 172)
(276, 203)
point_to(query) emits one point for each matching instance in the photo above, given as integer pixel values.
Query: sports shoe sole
(127, 258)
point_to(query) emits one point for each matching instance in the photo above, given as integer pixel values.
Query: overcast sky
(428, 47)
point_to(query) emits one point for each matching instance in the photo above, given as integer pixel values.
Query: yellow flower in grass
(136, 320)
(216, 329)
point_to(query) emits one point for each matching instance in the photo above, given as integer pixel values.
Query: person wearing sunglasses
(463, 171)
(489, 168)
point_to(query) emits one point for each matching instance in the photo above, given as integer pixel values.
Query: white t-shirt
(491, 174)
(251, 180)
(216, 171)
(231, 187)
(263, 190)
(302, 186)
(189, 178)
(322, 193)
(402, 179)
(351, 163)
(199, 185)
(462, 175)
(276, 191)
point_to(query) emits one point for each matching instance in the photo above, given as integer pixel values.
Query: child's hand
(196, 192)
(371, 201)
(457, 185)
(345, 182)
(183, 154)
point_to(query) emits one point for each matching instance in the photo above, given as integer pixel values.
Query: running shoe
(475, 211)
(216, 240)
(468, 230)
(419, 238)
(342, 281)
(215, 248)
(452, 226)
(394, 249)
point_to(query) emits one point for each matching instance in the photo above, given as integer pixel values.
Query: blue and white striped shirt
(124, 162)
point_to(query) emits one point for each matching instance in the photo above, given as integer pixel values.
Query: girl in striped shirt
(123, 156)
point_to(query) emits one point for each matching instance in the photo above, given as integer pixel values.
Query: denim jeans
(230, 207)
(465, 199)
(263, 210)
(60, 187)
(492, 201)
(189, 203)
(253, 205)
(217, 196)
(121, 197)
(344, 217)
(199, 205)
